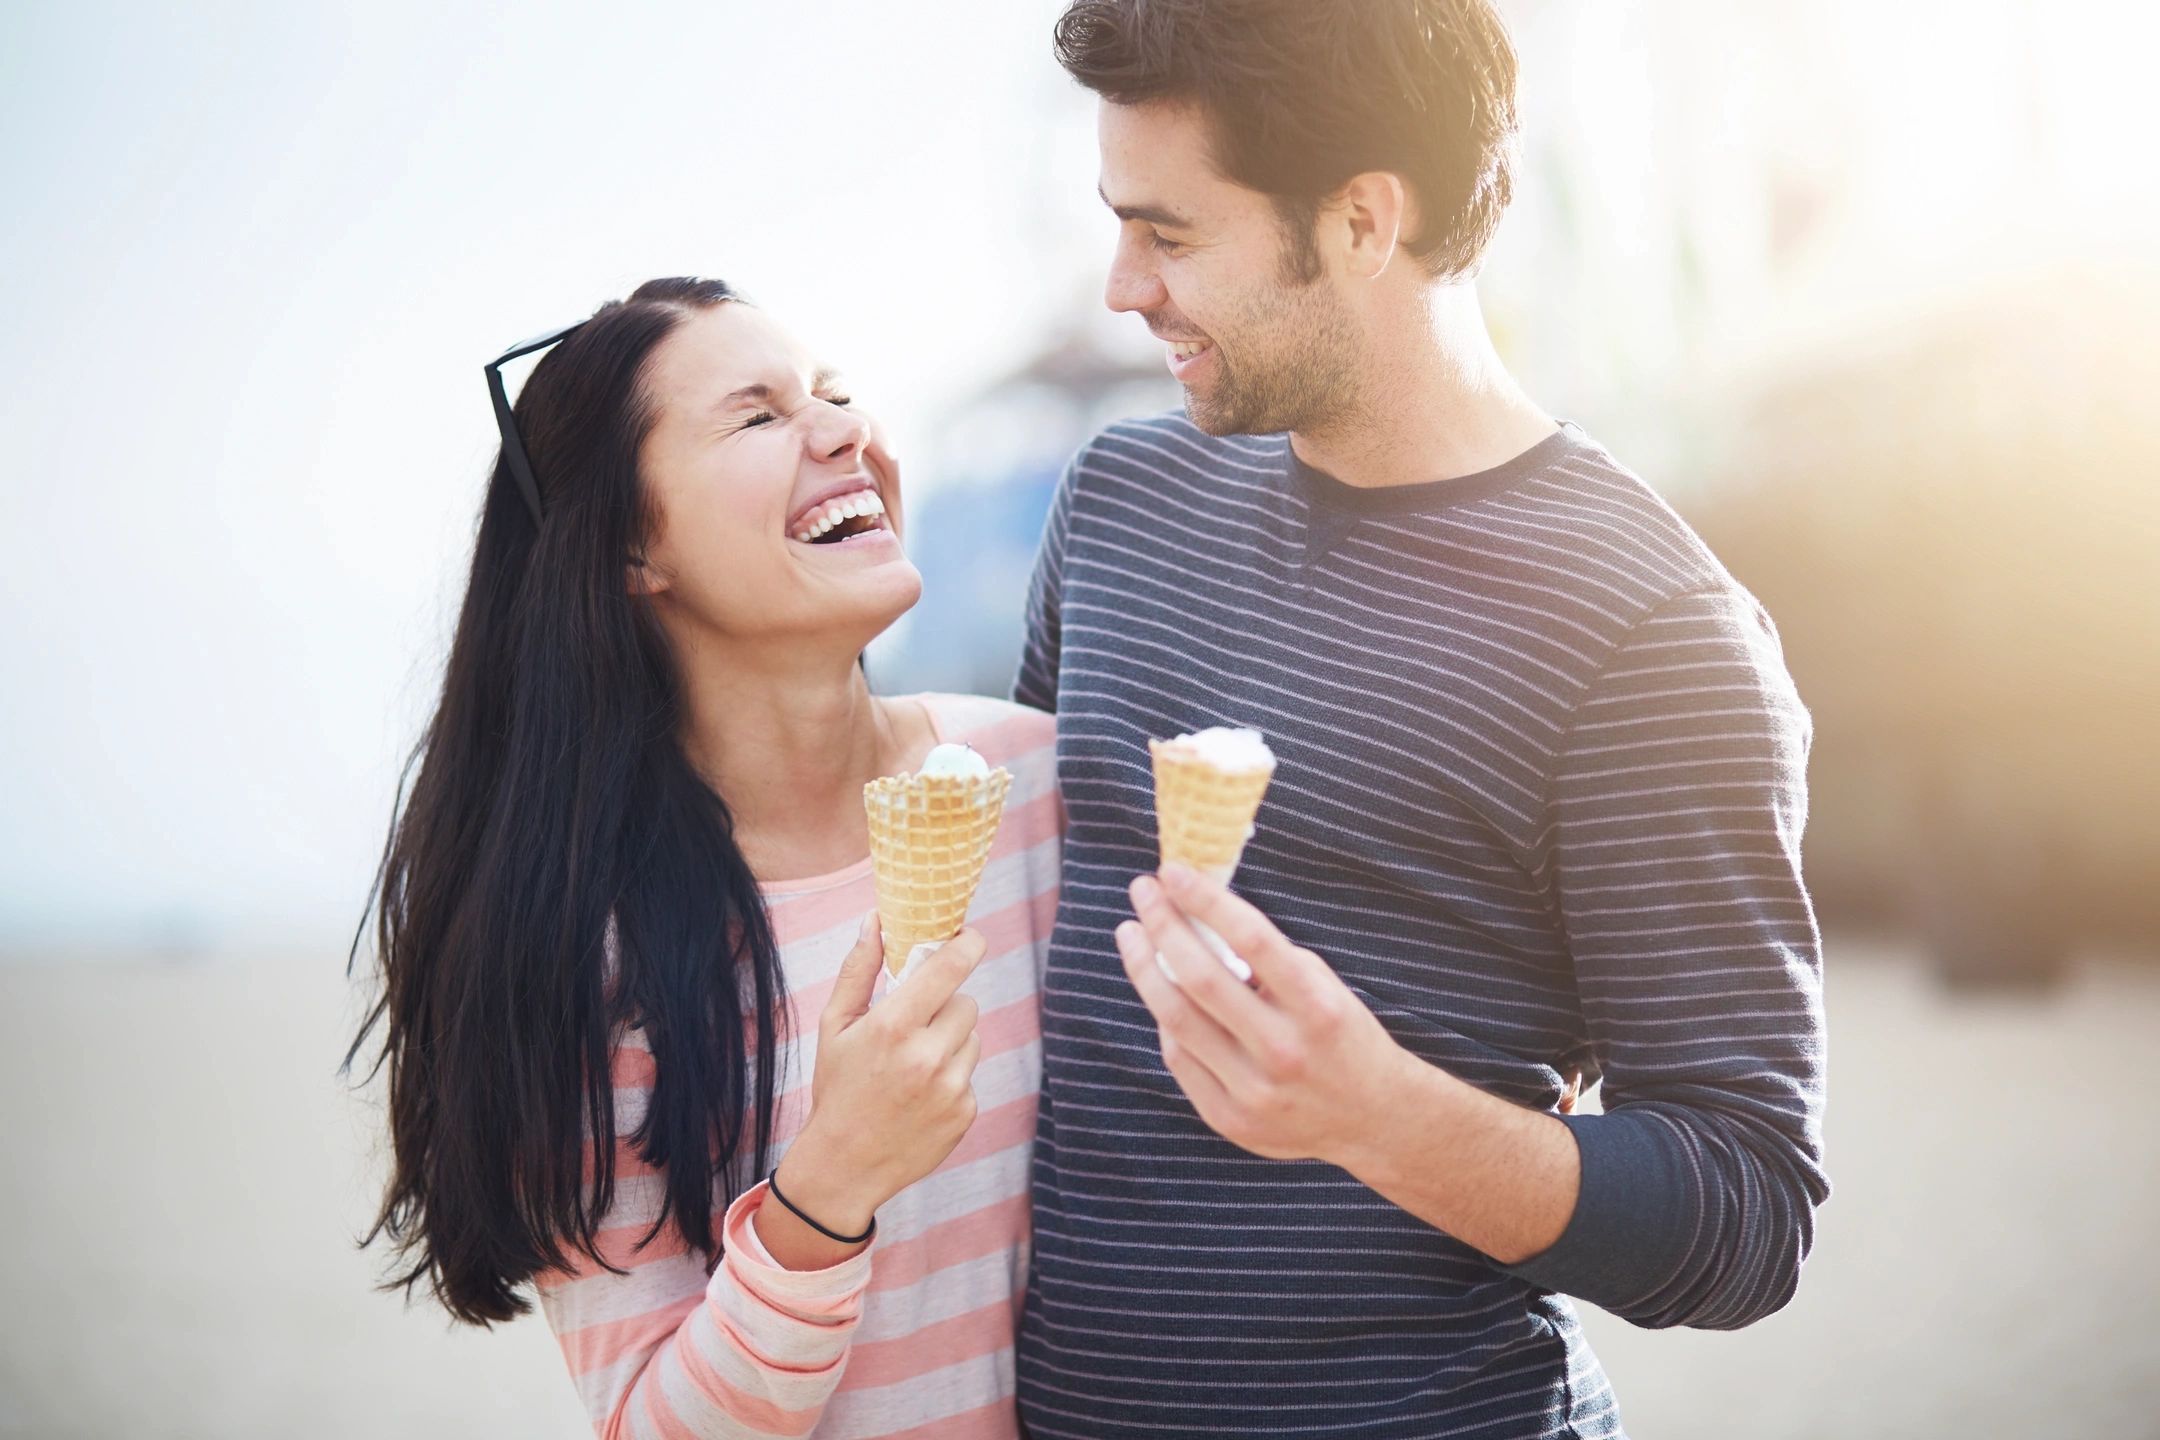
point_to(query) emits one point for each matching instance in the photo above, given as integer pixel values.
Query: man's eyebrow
(826, 375)
(1152, 214)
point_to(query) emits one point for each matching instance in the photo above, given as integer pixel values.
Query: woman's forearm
(819, 1188)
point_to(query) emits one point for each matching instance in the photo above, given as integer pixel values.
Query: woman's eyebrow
(825, 376)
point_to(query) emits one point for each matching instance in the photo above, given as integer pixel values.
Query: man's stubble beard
(1303, 376)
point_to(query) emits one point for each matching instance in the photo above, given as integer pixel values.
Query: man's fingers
(1210, 1097)
(1278, 966)
(851, 990)
(1193, 1029)
(1571, 1091)
(1157, 990)
(1200, 973)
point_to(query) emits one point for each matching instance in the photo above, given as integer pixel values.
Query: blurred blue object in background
(975, 545)
(997, 461)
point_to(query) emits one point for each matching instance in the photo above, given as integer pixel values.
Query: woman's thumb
(850, 998)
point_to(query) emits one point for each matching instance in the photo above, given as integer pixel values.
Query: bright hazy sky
(255, 259)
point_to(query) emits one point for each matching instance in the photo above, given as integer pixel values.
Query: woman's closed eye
(766, 417)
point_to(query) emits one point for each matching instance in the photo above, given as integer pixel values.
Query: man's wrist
(1496, 1175)
(1402, 1084)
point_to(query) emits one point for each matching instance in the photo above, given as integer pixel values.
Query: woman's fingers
(850, 998)
(956, 1095)
(952, 1026)
(893, 1093)
(969, 1054)
(933, 980)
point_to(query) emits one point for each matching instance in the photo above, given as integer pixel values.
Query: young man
(1537, 808)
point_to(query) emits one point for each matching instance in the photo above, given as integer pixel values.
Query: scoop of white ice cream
(1226, 748)
(958, 762)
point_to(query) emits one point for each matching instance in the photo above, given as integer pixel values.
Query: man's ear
(642, 577)
(1372, 214)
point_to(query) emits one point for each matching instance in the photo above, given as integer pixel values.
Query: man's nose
(1133, 284)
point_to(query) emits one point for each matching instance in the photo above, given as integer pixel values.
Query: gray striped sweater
(1539, 797)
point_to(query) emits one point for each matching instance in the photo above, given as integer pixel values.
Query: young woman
(639, 1054)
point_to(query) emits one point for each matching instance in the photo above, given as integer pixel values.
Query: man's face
(1209, 264)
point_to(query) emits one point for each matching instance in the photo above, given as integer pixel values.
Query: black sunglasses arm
(513, 445)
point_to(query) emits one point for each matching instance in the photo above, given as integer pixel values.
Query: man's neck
(1438, 403)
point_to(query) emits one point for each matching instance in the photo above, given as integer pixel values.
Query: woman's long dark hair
(552, 797)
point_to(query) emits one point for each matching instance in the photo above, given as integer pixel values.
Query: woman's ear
(642, 577)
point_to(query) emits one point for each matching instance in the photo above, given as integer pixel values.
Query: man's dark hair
(1302, 95)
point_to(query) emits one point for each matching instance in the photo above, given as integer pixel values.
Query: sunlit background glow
(257, 253)
(1869, 290)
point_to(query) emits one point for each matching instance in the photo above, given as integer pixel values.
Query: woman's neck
(789, 741)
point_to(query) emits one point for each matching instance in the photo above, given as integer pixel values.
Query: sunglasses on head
(513, 445)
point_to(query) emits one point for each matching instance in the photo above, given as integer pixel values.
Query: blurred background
(1870, 292)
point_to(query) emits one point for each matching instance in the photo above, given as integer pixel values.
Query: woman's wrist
(814, 1185)
(823, 1188)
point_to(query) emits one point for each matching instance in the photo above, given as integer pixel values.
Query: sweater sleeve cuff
(834, 1293)
(1633, 1220)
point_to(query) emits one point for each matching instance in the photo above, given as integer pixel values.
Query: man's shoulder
(1132, 450)
(1616, 527)
(1657, 580)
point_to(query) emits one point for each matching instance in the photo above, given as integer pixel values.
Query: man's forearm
(1494, 1175)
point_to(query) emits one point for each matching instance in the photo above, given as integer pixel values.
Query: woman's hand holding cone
(892, 1095)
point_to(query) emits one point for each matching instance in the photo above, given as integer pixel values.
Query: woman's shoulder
(1004, 732)
(1024, 741)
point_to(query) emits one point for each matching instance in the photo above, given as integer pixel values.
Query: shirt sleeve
(1036, 685)
(1678, 803)
(664, 1350)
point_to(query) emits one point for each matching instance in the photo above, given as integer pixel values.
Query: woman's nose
(839, 432)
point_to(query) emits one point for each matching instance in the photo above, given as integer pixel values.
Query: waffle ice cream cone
(1204, 809)
(1208, 788)
(930, 835)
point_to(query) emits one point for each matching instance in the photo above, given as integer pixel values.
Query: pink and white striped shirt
(914, 1337)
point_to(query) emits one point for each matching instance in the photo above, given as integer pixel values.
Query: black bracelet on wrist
(772, 1182)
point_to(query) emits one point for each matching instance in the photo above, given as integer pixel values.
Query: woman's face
(776, 501)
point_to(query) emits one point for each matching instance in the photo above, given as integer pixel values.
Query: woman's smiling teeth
(827, 524)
